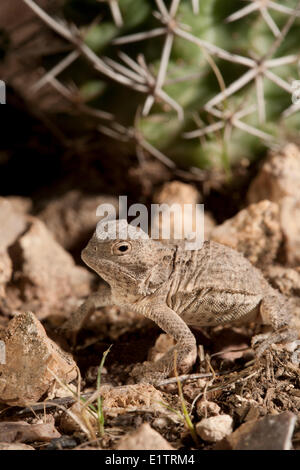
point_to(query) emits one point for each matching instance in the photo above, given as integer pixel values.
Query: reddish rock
(12, 223)
(30, 356)
(254, 231)
(72, 218)
(176, 192)
(279, 181)
(45, 276)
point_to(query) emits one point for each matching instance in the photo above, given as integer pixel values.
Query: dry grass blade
(99, 399)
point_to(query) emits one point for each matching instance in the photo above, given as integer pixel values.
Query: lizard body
(178, 288)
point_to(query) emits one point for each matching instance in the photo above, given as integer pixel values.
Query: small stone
(160, 423)
(144, 438)
(30, 356)
(215, 428)
(205, 408)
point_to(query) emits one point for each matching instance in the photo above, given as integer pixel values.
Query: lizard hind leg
(275, 311)
(186, 349)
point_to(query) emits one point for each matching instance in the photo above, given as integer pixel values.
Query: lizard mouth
(105, 268)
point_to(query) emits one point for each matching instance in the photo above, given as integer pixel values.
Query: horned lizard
(178, 288)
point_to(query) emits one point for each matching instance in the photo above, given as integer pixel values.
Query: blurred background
(118, 97)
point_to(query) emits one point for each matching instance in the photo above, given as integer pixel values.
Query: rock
(273, 432)
(254, 231)
(215, 428)
(21, 431)
(160, 423)
(72, 217)
(5, 271)
(144, 438)
(30, 354)
(176, 192)
(12, 224)
(287, 280)
(279, 181)
(162, 345)
(205, 408)
(8, 446)
(45, 276)
(290, 222)
(23, 205)
(279, 176)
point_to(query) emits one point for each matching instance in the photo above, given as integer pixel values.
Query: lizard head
(118, 252)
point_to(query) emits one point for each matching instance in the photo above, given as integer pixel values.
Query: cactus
(195, 84)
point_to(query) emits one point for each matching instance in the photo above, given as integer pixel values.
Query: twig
(60, 67)
(185, 377)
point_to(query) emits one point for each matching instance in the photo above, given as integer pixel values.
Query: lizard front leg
(186, 349)
(100, 298)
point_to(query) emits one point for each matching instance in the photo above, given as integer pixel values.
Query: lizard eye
(95, 248)
(121, 248)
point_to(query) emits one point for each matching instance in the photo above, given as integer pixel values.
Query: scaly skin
(176, 289)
